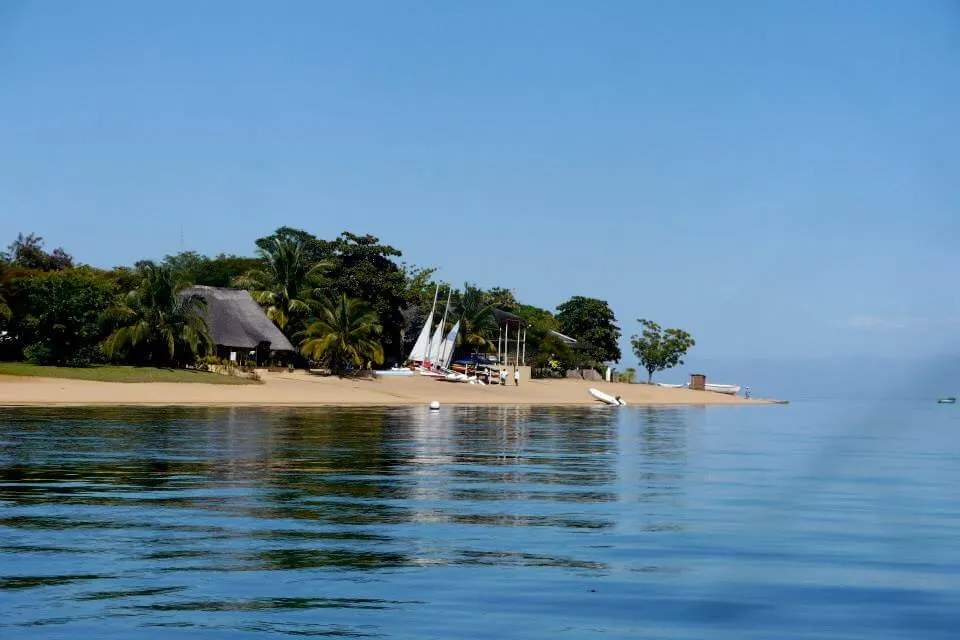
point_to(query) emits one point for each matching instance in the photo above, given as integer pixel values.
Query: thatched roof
(236, 320)
(503, 317)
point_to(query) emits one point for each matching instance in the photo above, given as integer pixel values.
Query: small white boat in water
(606, 398)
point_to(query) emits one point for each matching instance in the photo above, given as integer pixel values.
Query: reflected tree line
(349, 471)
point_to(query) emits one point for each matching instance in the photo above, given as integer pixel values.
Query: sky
(778, 178)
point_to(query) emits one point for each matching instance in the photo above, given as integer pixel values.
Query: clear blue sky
(778, 178)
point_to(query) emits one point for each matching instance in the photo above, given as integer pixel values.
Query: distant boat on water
(947, 401)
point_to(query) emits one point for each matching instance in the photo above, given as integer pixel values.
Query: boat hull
(606, 398)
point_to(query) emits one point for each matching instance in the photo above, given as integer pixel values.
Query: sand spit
(302, 389)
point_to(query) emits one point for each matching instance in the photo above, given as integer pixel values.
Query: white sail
(436, 343)
(446, 351)
(419, 351)
(433, 354)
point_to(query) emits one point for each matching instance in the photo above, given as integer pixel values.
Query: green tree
(221, 271)
(477, 323)
(363, 268)
(156, 323)
(27, 251)
(591, 321)
(345, 333)
(313, 248)
(500, 298)
(60, 316)
(659, 349)
(287, 282)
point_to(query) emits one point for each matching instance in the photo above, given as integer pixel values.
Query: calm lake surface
(825, 520)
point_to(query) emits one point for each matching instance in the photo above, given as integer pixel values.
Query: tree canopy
(659, 349)
(155, 323)
(27, 252)
(52, 310)
(591, 321)
(345, 334)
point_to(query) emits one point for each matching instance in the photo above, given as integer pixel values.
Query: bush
(86, 356)
(38, 354)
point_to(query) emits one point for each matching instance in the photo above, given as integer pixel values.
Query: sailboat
(421, 347)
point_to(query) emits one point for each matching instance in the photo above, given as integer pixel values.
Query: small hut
(239, 327)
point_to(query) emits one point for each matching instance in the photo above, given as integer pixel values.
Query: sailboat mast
(426, 356)
(443, 323)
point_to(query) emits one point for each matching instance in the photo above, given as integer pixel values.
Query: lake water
(812, 520)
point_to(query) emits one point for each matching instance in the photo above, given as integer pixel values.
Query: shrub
(38, 353)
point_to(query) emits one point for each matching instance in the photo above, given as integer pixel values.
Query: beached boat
(670, 386)
(606, 398)
(729, 389)
(395, 371)
(947, 401)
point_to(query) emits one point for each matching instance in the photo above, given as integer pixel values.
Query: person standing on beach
(516, 376)
(503, 377)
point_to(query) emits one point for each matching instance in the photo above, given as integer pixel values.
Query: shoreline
(301, 389)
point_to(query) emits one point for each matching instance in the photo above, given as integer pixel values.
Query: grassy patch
(114, 373)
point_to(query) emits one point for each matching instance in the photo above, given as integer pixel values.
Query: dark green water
(806, 521)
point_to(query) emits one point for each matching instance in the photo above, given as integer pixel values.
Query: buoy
(434, 406)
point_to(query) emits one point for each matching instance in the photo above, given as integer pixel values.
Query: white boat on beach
(606, 398)
(395, 371)
(728, 389)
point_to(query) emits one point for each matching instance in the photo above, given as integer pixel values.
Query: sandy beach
(302, 389)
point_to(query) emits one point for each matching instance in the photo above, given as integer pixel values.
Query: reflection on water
(470, 522)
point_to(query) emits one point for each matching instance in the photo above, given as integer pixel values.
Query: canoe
(670, 386)
(606, 398)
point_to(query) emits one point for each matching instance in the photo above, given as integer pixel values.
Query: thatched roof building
(237, 323)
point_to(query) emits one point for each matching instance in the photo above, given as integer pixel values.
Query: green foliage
(591, 321)
(629, 376)
(286, 283)
(27, 252)
(545, 350)
(156, 323)
(314, 249)
(364, 269)
(59, 315)
(221, 271)
(478, 327)
(345, 334)
(500, 298)
(659, 349)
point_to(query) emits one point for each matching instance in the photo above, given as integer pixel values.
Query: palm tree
(477, 324)
(157, 323)
(345, 333)
(287, 282)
